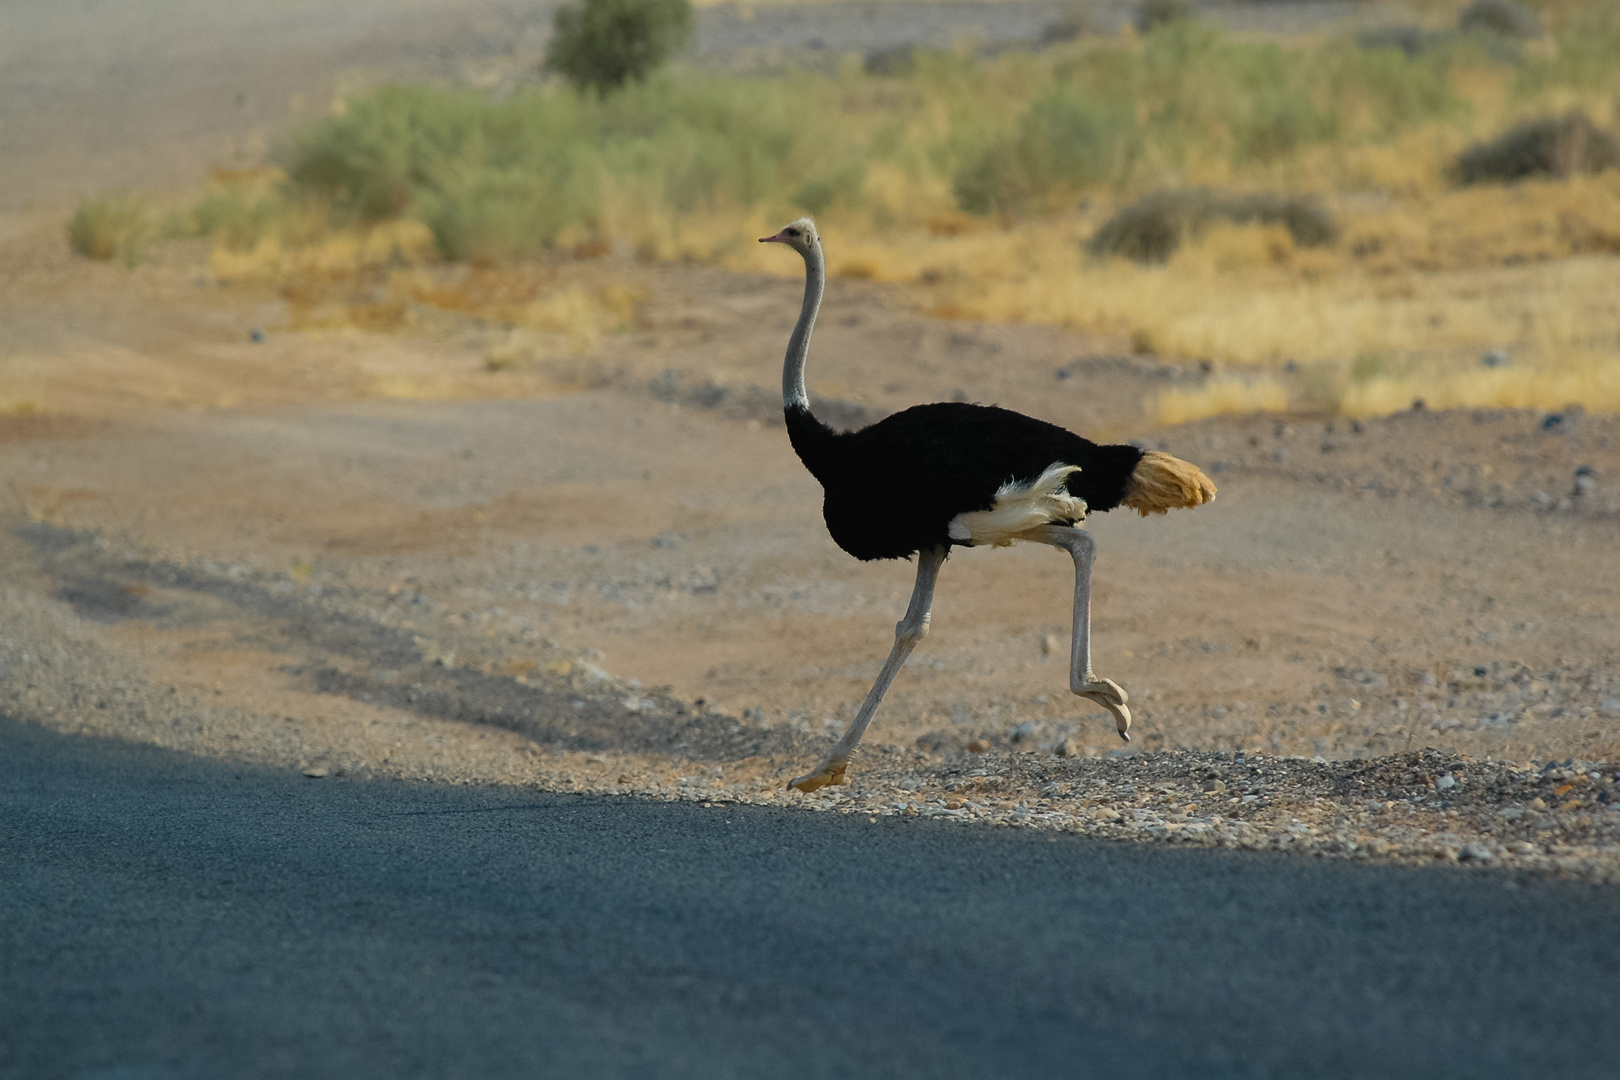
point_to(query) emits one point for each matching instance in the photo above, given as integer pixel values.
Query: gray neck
(815, 276)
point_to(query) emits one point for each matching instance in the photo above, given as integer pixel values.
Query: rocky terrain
(374, 554)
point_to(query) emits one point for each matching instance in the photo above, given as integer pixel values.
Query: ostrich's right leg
(910, 630)
(1105, 692)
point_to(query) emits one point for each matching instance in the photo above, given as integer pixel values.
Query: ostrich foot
(832, 772)
(1111, 696)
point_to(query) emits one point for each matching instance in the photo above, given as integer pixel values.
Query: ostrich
(952, 473)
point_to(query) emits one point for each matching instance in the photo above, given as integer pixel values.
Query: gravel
(583, 730)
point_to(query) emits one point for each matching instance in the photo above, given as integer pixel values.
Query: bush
(891, 62)
(1410, 40)
(1500, 17)
(1152, 14)
(841, 186)
(1151, 229)
(235, 214)
(113, 225)
(1549, 146)
(1075, 22)
(1063, 143)
(602, 44)
(1278, 124)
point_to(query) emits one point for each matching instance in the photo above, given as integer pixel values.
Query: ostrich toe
(832, 772)
(1111, 696)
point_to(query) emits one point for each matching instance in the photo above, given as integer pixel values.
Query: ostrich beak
(779, 238)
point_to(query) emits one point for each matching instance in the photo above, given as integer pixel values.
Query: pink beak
(779, 238)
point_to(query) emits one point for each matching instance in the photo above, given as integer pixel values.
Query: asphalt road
(165, 917)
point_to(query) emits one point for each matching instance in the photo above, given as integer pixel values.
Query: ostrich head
(799, 235)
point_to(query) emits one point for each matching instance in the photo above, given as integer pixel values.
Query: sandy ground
(365, 553)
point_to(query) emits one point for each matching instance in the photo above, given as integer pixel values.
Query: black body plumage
(893, 488)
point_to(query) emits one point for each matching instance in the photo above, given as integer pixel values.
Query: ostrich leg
(907, 632)
(1105, 692)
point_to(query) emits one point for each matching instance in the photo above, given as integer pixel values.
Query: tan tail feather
(1161, 482)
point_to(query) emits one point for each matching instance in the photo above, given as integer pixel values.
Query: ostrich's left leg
(1105, 692)
(910, 630)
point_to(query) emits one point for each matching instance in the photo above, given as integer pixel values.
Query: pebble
(977, 746)
(1214, 787)
(1067, 748)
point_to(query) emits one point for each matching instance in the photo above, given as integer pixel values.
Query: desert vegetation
(1378, 212)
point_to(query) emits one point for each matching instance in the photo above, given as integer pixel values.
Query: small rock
(954, 804)
(1496, 358)
(1537, 805)
(1585, 481)
(1067, 748)
(1049, 644)
(256, 335)
(1215, 787)
(1475, 853)
(1445, 781)
(1025, 731)
(316, 772)
(978, 746)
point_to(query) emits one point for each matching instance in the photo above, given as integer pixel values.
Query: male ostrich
(932, 476)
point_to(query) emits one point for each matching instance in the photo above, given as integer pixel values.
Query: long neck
(815, 280)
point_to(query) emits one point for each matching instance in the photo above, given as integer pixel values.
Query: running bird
(934, 476)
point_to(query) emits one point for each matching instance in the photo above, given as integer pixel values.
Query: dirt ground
(366, 554)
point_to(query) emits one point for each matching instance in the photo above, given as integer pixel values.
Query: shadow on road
(164, 916)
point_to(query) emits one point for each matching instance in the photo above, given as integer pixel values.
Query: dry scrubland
(980, 184)
(227, 544)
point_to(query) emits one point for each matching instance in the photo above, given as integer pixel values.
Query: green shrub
(1279, 123)
(1152, 14)
(500, 179)
(1151, 229)
(112, 225)
(890, 62)
(1500, 17)
(1020, 133)
(1410, 41)
(1588, 54)
(602, 44)
(1398, 89)
(233, 216)
(841, 186)
(1076, 21)
(1062, 143)
(1549, 146)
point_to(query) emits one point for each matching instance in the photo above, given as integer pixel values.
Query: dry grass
(1218, 397)
(1423, 278)
(112, 225)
